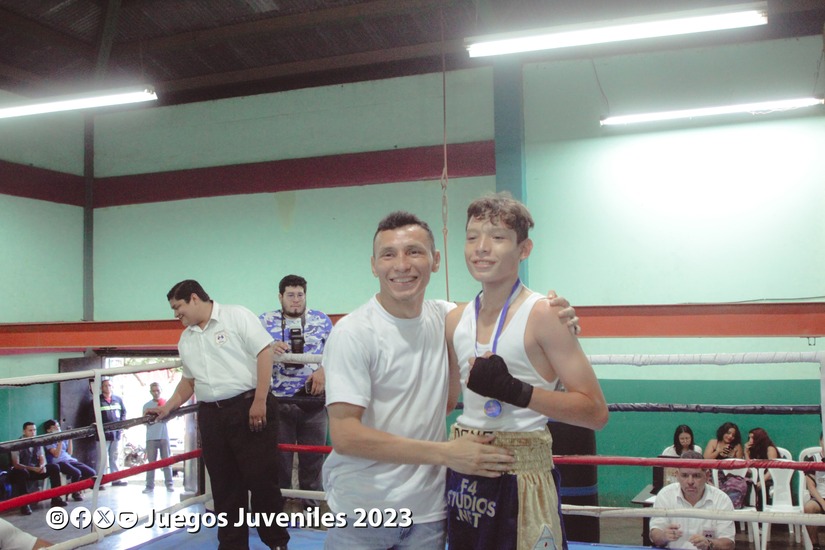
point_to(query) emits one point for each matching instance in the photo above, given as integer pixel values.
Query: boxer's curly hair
(502, 208)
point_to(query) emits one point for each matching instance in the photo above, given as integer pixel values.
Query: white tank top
(479, 412)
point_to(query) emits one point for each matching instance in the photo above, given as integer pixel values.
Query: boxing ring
(307, 538)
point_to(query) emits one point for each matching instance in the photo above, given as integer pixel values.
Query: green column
(508, 106)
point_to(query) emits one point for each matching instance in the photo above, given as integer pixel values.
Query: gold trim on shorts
(533, 450)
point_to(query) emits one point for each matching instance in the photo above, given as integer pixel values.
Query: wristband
(491, 378)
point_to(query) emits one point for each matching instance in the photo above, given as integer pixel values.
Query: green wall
(729, 210)
(687, 212)
(36, 403)
(53, 141)
(41, 251)
(647, 434)
(696, 212)
(240, 247)
(728, 213)
(363, 116)
(41, 274)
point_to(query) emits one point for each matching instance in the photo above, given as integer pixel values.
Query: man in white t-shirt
(12, 538)
(692, 492)
(389, 388)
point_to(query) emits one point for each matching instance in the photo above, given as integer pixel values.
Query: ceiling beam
(107, 37)
(313, 66)
(18, 74)
(285, 23)
(43, 33)
(792, 6)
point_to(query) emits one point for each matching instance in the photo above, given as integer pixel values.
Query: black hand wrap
(489, 377)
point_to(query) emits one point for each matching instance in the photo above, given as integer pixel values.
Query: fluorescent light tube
(654, 26)
(120, 96)
(753, 108)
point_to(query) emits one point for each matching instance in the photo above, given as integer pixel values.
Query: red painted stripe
(21, 180)
(21, 351)
(659, 321)
(394, 165)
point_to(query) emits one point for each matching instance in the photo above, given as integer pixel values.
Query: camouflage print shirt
(315, 325)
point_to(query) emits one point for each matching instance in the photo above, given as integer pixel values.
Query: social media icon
(127, 520)
(81, 517)
(57, 518)
(103, 517)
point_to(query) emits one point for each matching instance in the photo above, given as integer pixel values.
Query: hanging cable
(444, 176)
(599, 83)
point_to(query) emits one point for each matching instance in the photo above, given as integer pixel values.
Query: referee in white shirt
(227, 363)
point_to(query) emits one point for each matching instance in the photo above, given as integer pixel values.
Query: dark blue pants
(75, 470)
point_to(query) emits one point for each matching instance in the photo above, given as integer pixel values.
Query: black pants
(20, 478)
(241, 461)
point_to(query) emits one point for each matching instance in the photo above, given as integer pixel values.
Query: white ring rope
(96, 374)
(710, 358)
(80, 375)
(637, 360)
(733, 515)
(721, 359)
(303, 358)
(98, 535)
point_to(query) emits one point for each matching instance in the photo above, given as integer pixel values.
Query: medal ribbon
(501, 316)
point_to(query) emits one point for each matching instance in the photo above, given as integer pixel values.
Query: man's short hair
(185, 289)
(154, 385)
(691, 454)
(27, 424)
(502, 208)
(49, 423)
(399, 218)
(292, 280)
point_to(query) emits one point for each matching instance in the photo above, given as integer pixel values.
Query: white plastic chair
(753, 527)
(782, 498)
(784, 453)
(803, 494)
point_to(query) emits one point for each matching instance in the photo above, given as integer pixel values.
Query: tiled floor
(613, 531)
(129, 498)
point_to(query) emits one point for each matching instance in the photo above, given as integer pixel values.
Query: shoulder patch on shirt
(221, 338)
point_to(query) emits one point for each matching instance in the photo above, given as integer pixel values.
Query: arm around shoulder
(583, 403)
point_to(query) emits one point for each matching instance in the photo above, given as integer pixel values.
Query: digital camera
(296, 340)
(296, 345)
